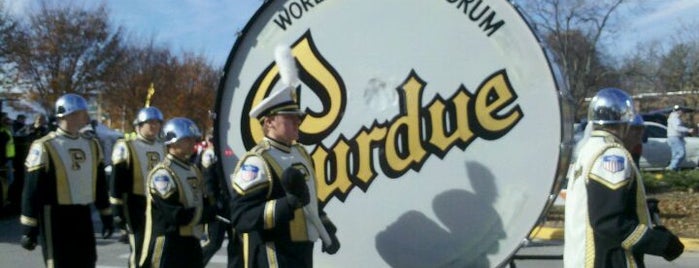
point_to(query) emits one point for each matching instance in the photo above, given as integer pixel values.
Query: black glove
(329, 226)
(294, 183)
(107, 226)
(335, 246)
(28, 240)
(119, 219)
(674, 248)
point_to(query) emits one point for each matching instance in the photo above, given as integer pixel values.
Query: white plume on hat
(281, 101)
(287, 66)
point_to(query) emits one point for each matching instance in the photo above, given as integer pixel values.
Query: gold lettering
(260, 92)
(439, 137)
(77, 158)
(320, 77)
(492, 96)
(403, 144)
(336, 166)
(329, 88)
(461, 101)
(400, 141)
(364, 158)
(153, 159)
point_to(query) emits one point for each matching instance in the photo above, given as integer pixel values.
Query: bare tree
(8, 31)
(143, 64)
(567, 23)
(194, 88)
(183, 86)
(63, 49)
(640, 73)
(680, 72)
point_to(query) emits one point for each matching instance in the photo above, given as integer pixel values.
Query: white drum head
(436, 127)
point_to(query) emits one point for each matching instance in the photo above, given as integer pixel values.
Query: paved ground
(547, 253)
(543, 253)
(111, 253)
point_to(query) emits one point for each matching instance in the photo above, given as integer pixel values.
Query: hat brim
(297, 112)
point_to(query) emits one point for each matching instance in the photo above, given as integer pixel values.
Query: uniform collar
(278, 144)
(144, 139)
(178, 161)
(62, 132)
(606, 135)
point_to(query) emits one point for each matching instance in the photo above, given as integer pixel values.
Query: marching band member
(607, 222)
(176, 205)
(275, 205)
(132, 159)
(64, 176)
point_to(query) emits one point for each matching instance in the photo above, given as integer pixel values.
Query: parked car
(656, 152)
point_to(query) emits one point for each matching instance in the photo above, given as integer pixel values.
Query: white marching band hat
(282, 101)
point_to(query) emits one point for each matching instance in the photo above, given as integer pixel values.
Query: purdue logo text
(417, 132)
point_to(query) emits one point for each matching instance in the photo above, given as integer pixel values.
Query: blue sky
(209, 27)
(205, 27)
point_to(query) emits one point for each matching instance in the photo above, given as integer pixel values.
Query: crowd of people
(15, 138)
(165, 192)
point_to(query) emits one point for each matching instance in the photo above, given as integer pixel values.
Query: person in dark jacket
(176, 205)
(64, 178)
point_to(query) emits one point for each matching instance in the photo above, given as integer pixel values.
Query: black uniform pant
(286, 253)
(136, 220)
(67, 237)
(217, 231)
(174, 251)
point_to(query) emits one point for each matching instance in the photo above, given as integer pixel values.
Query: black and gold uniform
(607, 221)
(132, 159)
(174, 215)
(274, 233)
(218, 187)
(65, 175)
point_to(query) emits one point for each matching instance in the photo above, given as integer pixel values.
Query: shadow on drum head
(473, 228)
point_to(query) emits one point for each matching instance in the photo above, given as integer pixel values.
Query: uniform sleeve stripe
(28, 221)
(634, 237)
(269, 214)
(240, 190)
(606, 183)
(115, 201)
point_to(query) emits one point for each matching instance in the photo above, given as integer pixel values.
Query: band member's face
(73, 122)
(183, 148)
(284, 127)
(150, 129)
(634, 137)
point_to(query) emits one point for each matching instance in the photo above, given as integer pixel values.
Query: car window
(656, 132)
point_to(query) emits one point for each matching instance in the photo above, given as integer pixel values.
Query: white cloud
(668, 11)
(17, 7)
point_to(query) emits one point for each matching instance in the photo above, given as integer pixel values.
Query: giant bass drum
(439, 130)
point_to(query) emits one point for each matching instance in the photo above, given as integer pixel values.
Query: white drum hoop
(418, 169)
